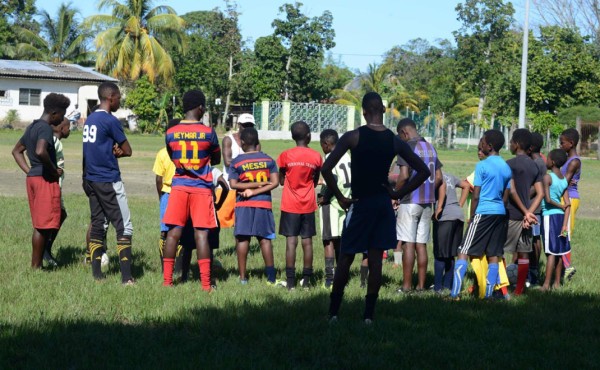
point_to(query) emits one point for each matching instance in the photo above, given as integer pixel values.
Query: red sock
(204, 265)
(567, 259)
(168, 264)
(504, 291)
(522, 272)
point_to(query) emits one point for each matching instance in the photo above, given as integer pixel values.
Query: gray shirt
(451, 210)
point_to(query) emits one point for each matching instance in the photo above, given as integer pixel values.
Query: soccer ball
(512, 271)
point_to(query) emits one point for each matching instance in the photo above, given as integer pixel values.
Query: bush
(11, 118)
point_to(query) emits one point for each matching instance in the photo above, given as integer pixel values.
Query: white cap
(246, 118)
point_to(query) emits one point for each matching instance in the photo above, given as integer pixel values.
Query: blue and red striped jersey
(253, 167)
(190, 146)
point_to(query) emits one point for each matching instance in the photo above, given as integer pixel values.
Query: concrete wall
(28, 113)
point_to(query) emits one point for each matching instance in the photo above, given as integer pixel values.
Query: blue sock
(270, 272)
(460, 270)
(448, 273)
(492, 279)
(438, 273)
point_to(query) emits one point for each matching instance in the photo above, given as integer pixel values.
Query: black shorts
(447, 236)
(294, 224)
(486, 234)
(189, 242)
(370, 224)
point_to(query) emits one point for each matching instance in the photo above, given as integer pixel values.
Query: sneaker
(363, 284)
(50, 259)
(328, 285)
(87, 259)
(403, 291)
(130, 282)
(244, 281)
(104, 261)
(570, 272)
(333, 319)
(277, 283)
(497, 295)
(368, 321)
(304, 283)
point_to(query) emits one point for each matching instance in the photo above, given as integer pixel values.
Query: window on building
(29, 96)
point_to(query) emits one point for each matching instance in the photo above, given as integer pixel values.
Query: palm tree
(60, 39)
(134, 39)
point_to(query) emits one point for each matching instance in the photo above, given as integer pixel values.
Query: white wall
(28, 113)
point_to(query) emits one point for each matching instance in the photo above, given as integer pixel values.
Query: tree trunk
(228, 99)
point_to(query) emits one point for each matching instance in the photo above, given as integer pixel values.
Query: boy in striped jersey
(414, 215)
(193, 148)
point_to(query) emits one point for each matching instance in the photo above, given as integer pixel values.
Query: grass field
(63, 319)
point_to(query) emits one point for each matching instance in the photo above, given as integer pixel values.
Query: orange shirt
(301, 165)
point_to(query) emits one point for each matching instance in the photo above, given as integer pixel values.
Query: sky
(365, 30)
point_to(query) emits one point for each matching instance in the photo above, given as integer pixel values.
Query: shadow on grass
(541, 331)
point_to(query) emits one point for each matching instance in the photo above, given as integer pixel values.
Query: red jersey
(301, 166)
(190, 147)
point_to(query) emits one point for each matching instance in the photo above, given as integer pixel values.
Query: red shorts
(198, 206)
(44, 202)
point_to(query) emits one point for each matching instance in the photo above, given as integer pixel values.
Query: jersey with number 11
(190, 146)
(342, 174)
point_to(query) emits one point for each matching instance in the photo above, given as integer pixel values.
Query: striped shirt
(253, 167)
(190, 146)
(424, 194)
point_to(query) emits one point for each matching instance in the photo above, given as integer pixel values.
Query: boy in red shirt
(299, 170)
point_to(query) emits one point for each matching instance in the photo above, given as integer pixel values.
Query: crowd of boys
(383, 195)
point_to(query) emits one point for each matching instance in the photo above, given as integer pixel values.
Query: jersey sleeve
(273, 167)
(455, 181)
(281, 161)
(479, 174)
(214, 142)
(401, 162)
(232, 172)
(158, 168)
(116, 131)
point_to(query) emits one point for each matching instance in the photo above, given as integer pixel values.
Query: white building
(25, 84)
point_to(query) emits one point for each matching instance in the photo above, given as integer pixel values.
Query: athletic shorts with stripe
(331, 222)
(486, 234)
(108, 201)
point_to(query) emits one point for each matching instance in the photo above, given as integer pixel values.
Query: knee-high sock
(161, 250)
(124, 250)
(168, 271)
(567, 260)
(459, 273)
(492, 278)
(204, 267)
(523, 270)
(503, 282)
(340, 279)
(370, 300)
(95, 248)
(438, 273)
(480, 267)
(329, 269)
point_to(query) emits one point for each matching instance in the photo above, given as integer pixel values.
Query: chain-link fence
(320, 116)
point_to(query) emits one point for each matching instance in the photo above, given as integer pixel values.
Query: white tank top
(235, 151)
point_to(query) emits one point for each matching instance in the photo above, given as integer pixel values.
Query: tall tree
(134, 39)
(481, 43)
(61, 39)
(305, 41)
(576, 14)
(16, 15)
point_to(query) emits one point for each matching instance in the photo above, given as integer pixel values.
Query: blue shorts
(370, 224)
(164, 200)
(251, 221)
(536, 230)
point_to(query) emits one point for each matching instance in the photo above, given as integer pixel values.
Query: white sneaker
(104, 261)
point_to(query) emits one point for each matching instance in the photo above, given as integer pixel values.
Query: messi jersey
(190, 146)
(253, 167)
(425, 193)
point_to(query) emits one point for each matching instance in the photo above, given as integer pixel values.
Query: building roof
(50, 71)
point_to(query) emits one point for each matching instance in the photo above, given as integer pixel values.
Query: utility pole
(524, 68)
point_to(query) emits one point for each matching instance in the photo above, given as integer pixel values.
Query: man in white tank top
(231, 148)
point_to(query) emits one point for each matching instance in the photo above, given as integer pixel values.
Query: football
(512, 272)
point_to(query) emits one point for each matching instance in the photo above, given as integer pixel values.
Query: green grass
(62, 319)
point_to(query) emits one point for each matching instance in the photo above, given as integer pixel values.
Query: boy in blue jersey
(253, 174)
(487, 229)
(102, 180)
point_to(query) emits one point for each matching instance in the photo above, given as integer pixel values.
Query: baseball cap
(246, 118)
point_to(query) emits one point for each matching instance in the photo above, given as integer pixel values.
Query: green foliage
(544, 121)
(16, 15)
(567, 117)
(11, 118)
(142, 100)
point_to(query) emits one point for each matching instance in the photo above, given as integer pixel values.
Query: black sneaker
(49, 258)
